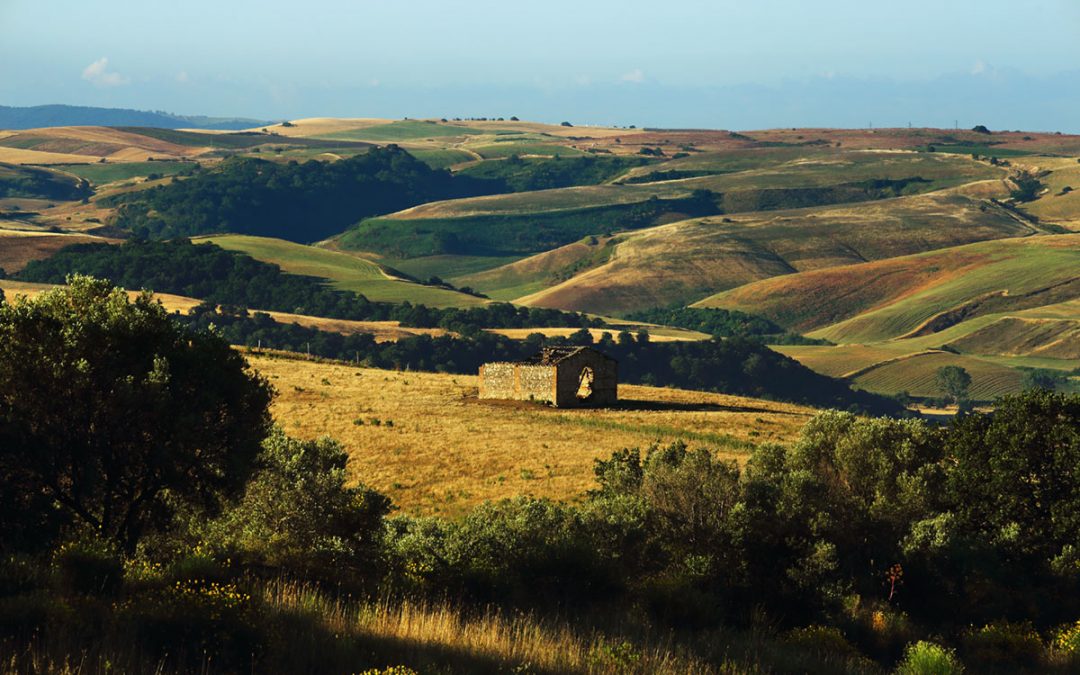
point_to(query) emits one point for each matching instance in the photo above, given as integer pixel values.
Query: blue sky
(674, 63)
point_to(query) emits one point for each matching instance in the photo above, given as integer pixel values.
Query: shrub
(299, 512)
(1003, 644)
(927, 658)
(1067, 640)
(826, 640)
(88, 567)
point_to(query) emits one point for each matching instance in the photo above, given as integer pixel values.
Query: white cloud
(182, 77)
(582, 80)
(635, 75)
(98, 73)
(979, 68)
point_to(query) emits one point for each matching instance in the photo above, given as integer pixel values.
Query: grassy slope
(473, 451)
(346, 272)
(401, 131)
(1058, 205)
(535, 273)
(888, 301)
(99, 174)
(689, 260)
(18, 247)
(818, 299)
(1018, 268)
(815, 168)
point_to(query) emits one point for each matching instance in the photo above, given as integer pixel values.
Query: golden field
(425, 440)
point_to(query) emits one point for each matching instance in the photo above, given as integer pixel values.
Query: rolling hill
(918, 294)
(901, 245)
(346, 272)
(689, 260)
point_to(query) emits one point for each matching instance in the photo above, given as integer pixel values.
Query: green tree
(1013, 482)
(118, 416)
(1043, 378)
(299, 511)
(1027, 187)
(954, 382)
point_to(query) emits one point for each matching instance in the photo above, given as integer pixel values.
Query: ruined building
(565, 377)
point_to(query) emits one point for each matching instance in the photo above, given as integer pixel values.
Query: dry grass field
(19, 246)
(81, 144)
(430, 444)
(319, 126)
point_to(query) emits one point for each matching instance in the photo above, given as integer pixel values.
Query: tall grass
(476, 641)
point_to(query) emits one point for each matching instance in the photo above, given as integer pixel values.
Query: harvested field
(426, 441)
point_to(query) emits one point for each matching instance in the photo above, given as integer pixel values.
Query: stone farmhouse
(565, 377)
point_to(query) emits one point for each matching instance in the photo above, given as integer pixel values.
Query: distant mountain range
(33, 117)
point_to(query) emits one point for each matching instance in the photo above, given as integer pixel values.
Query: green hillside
(346, 272)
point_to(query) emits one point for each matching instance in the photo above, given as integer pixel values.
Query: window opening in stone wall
(585, 383)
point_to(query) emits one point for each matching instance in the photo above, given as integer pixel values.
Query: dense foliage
(877, 538)
(299, 202)
(523, 175)
(883, 521)
(721, 323)
(206, 271)
(516, 234)
(112, 416)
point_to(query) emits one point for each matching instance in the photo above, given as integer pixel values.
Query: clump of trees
(299, 202)
(955, 383)
(722, 323)
(523, 175)
(35, 183)
(1027, 187)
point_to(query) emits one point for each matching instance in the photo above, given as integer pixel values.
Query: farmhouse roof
(550, 356)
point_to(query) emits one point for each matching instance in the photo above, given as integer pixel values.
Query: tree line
(740, 366)
(208, 272)
(301, 202)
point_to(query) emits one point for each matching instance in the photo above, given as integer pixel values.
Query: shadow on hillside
(677, 406)
(628, 404)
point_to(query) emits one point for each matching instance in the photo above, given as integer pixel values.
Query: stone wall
(517, 381)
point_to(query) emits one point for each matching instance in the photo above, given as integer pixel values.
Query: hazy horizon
(680, 64)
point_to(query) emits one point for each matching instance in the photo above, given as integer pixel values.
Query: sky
(677, 63)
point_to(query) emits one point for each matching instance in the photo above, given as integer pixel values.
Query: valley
(904, 249)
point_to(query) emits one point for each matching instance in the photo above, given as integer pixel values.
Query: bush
(88, 567)
(1067, 639)
(299, 512)
(1003, 644)
(927, 658)
(824, 640)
